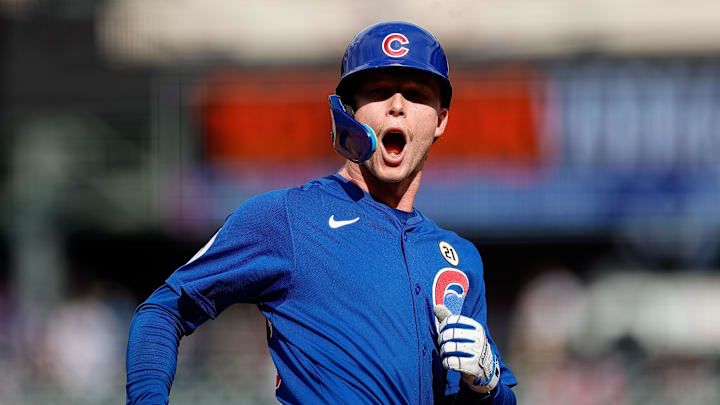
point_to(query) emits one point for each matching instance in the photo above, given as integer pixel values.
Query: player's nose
(396, 105)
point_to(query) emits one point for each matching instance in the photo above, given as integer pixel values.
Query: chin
(388, 174)
(391, 179)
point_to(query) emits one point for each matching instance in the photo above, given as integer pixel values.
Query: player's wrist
(488, 380)
(472, 396)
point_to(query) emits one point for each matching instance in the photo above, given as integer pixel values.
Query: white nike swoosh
(337, 224)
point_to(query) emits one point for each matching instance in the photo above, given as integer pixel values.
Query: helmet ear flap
(351, 139)
(349, 110)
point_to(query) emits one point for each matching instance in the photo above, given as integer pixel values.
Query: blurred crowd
(130, 129)
(75, 354)
(624, 337)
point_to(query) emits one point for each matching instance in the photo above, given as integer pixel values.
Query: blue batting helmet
(396, 44)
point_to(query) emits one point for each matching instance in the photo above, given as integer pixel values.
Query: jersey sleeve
(475, 306)
(249, 260)
(477, 309)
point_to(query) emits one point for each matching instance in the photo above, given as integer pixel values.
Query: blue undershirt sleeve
(501, 395)
(155, 332)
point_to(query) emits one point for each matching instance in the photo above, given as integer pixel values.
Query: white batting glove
(464, 347)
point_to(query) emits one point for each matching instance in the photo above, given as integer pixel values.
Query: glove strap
(495, 373)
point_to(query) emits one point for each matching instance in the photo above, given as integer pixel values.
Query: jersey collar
(355, 193)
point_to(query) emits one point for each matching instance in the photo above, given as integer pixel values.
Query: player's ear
(441, 123)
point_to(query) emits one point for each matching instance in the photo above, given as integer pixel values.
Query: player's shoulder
(264, 203)
(276, 203)
(447, 234)
(322, 192)
(453, 239)
(266, 212)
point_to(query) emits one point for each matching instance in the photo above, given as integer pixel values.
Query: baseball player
(369, 301)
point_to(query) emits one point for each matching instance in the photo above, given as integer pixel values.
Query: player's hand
(464, 347)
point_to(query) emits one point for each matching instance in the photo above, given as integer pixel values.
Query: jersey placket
(415, 291)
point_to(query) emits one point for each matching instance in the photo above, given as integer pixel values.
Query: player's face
(403, 108)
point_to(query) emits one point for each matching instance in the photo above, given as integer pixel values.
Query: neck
(400, 195)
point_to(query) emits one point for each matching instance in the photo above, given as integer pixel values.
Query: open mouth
(394, 143)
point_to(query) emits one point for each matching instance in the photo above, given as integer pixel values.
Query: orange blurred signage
(282, 116)
(493, 118)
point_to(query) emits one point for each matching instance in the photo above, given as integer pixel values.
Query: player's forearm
(151, 356)
(501, 395)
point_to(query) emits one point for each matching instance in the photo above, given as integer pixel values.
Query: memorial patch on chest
(449, 253)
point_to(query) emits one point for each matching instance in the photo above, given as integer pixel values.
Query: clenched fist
(464, 347)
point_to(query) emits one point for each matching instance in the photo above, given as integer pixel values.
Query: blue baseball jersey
(348, 286)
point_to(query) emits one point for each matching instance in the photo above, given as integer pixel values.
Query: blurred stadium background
(581, 158)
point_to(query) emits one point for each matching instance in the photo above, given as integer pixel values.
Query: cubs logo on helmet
(450, 288)
(390, 45)
(395, 44)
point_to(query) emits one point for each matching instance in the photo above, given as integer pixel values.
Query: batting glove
(464, 347)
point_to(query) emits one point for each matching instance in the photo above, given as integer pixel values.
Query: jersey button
(405, 237)
(424, 350)
(417, 289)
